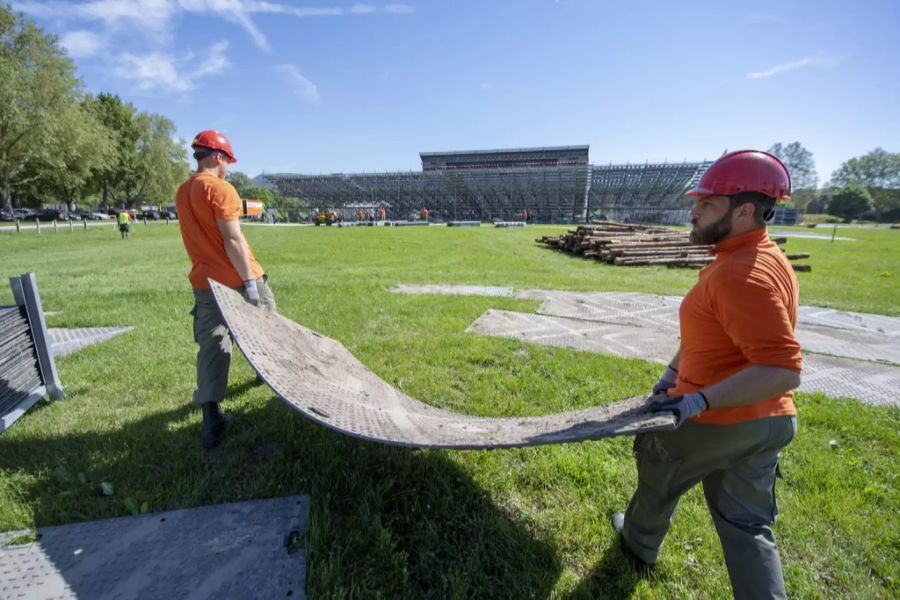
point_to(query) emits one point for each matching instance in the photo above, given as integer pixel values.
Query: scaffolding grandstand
(554, 185)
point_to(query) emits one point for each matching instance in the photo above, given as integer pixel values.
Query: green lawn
(390, 522)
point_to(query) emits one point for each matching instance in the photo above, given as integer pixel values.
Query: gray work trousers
(737, 465)
(214, 339)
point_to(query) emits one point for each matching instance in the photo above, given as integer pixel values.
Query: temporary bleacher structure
(555, 185)
(27, 370)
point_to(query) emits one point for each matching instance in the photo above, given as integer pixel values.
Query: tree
(149, 163)
(802, 167)
(119, 119)
(850, 202)
(37, 88)
(69, 173)
(241, 182)
(162, 159)
(879, 172)
(877, 169)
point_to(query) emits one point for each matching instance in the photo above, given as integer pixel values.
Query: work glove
(251, 292)
(683, 407)
(668, 380)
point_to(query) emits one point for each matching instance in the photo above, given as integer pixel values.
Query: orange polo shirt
(200, 201)
(741, 312)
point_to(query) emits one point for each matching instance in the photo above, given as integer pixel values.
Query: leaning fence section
(27, 369)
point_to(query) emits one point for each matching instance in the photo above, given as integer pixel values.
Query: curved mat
(321, 379)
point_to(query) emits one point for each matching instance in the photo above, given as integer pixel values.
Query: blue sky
(321, 87)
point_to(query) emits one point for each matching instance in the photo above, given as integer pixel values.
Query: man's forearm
(237, 252)
(755, 383)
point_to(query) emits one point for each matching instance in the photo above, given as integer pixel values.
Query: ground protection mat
(246, 550)
(322, 380)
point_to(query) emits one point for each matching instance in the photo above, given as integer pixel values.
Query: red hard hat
(214, 140)
(745, 171)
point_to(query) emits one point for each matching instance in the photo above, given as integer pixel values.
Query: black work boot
(213, 424)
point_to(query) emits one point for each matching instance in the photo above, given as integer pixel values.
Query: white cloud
(162, 71)
(789, 66)
(81, 44)
(301, 86)
(398, 9)
(155, 17)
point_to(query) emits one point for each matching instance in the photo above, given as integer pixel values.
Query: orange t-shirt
(741, 312)
(200, 201)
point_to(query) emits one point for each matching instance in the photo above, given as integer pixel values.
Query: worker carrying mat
(299, 365)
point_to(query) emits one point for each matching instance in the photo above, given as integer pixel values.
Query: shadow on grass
(385, 521)
(614, 576)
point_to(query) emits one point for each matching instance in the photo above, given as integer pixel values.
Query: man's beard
(712, 234)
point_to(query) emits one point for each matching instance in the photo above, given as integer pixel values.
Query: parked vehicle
(52, 214)
(150, 215)
(169, 214)
(24, 213)
(6, 216)
(92, 216)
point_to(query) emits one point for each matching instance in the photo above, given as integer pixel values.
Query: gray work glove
(251, 292)
(683, 407)
(668, 380)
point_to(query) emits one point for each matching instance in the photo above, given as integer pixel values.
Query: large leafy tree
(802, 167)
(38, 88)
(878, 172)
(850, 202)
(162, 160)
(877, 169)
(68, 174)
(241, 182)
(149, 162)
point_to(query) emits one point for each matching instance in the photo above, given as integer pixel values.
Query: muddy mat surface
(321, 379)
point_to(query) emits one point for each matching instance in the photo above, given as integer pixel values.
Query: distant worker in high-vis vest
(729, 385)
(209, 210)
(124, 225)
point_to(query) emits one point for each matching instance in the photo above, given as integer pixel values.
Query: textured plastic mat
(321, 379)
(67, 341)
(245, 550)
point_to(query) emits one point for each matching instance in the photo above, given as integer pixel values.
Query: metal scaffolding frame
(570, 191)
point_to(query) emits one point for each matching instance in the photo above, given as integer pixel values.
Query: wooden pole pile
(631, 245)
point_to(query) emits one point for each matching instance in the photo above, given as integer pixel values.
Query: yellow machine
(326, 217)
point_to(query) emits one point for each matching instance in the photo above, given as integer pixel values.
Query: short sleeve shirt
(201, 201)
(741, 312)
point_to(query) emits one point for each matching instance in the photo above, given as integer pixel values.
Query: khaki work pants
(214, 339)
(737, 465)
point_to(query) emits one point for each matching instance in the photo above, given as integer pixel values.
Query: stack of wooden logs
(623, 244)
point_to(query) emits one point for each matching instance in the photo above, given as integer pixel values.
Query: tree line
(61, 145)
(868, 185)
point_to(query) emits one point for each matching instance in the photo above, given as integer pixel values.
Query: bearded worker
(209, 211)
(729, 385)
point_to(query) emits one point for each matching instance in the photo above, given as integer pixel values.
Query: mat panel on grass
(244, 550)
(322, 380)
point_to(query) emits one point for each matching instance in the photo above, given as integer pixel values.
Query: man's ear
(748, 209)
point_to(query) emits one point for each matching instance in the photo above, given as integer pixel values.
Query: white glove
(251, 292)
(683, 407)
(668, 380)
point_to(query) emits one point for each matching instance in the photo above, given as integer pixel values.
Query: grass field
(394, 523)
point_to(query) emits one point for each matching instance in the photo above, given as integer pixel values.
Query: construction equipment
(326, 217)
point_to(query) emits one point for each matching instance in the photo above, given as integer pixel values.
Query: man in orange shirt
(209, 210)
(729, 386)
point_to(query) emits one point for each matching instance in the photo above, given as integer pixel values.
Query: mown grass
(390, 522)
